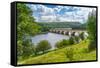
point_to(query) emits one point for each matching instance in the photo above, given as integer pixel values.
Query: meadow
(80, 53)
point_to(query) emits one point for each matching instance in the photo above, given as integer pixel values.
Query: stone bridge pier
(68, 32)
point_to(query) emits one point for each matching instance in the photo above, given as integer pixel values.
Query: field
(80, 53)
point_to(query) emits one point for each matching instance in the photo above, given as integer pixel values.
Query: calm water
(51, 37)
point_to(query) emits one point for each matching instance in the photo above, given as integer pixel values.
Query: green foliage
(91, 28)
(33, 49)
(27, 48)
(19, 48)
(43, 46)
(58, 45)
(65, 42)
(45, 29)
(81, 35)
(70, 53)
(71, 40)
(25, 27)
(74, 25)
(92, 45)
(60, 55)
(25, 22)
(62, 43)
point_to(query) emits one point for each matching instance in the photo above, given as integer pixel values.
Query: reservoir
(52, 38)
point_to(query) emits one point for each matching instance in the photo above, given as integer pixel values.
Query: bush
(27, 48)
(70, 53)
(62, 43)
(92, 45)
(58, 45)
(43, 46)
(33, 49)
(71, 40)
(65, 42)
(19, 48)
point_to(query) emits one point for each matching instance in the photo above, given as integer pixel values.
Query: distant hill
(73, 25)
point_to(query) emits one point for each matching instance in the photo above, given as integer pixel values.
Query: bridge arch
(73, 33)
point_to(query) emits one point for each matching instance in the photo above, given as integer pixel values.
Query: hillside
(60, 24)
(59, 55)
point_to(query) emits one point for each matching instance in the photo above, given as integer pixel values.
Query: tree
(27, 48)
(43, 46)
(26, 26)
(91, 28)
(25, 22)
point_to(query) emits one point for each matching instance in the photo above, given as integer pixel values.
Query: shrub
(71, 40)
(27, 48)
(33, 49)
(19, 48)
(58, 45)
(43, 46)
(65, 42)
(92, 45)
(62, 43)
(70, 53)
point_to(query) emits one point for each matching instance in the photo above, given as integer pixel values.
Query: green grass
(80, 54)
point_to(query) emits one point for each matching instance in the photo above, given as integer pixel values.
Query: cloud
(50, 18)
(58, 8)
(80, 15)
(42, 13)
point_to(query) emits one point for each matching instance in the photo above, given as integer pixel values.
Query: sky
(56, 13)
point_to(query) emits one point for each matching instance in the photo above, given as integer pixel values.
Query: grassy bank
(80, 54)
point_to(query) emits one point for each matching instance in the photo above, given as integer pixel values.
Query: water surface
(52, 38)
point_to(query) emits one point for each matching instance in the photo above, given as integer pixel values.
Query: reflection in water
(51, 37)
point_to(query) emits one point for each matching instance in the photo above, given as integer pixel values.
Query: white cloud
(43, 10)
(58, 8)
(50, 18)
(47, 14)
(81, 15)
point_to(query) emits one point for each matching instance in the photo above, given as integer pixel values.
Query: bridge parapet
(67, 31)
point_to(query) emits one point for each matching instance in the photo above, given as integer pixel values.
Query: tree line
(46, 26)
